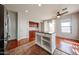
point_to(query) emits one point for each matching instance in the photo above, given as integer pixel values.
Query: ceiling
(46, 11)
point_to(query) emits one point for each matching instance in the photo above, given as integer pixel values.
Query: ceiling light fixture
(58, 16)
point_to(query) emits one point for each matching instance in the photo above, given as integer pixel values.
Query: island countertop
(45, 32)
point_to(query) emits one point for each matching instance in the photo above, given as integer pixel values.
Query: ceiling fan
(63, 11)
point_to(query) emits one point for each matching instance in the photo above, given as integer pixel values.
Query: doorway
(10, 29)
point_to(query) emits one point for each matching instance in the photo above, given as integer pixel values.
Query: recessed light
(39, 5)
(26, 10)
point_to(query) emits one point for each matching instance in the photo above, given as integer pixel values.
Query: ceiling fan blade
(64, 9)
(64, 13)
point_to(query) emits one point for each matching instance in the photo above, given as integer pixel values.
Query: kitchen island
(46, 40)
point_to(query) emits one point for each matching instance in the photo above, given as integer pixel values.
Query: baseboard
(13, 43)
(72, 41)
(29, 43)
(67, 39)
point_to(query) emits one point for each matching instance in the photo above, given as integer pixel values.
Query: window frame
(66, 26)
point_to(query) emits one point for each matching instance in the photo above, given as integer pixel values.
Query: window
(66, 27)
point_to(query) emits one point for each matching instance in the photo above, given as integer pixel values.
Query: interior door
(10, 29)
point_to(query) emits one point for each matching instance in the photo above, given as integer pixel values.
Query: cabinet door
(32, 35)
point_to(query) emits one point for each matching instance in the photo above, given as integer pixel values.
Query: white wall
(75, 31)
(23, 22)
(23, 26)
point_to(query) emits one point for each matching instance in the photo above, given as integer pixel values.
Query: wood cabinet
(32, 35)
(33, 24)
(33, 28)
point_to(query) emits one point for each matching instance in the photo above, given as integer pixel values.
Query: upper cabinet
(33, 26)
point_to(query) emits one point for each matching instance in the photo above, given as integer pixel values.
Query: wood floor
(12, 44)
(28, 49)
(68, 46)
